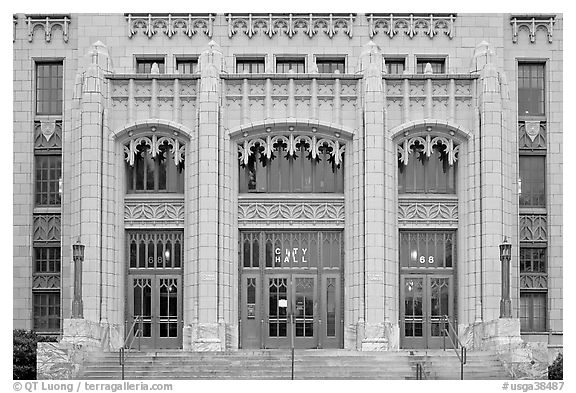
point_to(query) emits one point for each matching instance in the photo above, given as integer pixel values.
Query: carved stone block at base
(204, 337)
(501, 333)
(350, 337)
(58, 361)
(87, 335)
(380, 337)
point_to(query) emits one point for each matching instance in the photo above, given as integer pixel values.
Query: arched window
(427, 165)
(154, 164)
(298, 164)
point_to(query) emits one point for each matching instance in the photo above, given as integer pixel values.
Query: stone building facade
(357, 172)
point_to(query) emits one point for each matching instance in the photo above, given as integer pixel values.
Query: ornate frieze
(291, 212)
(428, 211)
(533, 281)
(47, 23)
(46, 228)
(428, 142)
(533, 227)
(137, 212)
(532, 24)
(170, 24)
(270, 143)
(411, 24)
(532, 135)
(48, 134)
(290, 24)
(154, 143)
(46, 281)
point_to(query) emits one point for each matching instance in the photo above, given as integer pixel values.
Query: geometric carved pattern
(48, 23)
(532, 135)
(290, 24)
(154, 212)
(533, 281)
(331, 212)
(411, 25)
(46, 281)
(533, 227)
(422, 211)
(404, 148)
(532, 24)
(48, 134)
(170, 24)
(46, 228)
(312, 146)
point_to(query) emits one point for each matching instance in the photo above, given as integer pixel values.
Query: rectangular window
(532, 311)
(532, 260)
(144, 66)
(427, 249)
(284, 65)
(438, 65)
(186, 66)
(250, 66)
(329, 66)
(532, 175)
(531, 85)
(49, 88)
(46, 311)
(395, 66)
(47, 260)
(48, 173)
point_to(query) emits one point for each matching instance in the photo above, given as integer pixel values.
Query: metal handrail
(420, 371)
(447, 332)
(123, 348)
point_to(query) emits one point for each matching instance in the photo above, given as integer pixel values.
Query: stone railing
(170, 24)
(331, 98)
(47, 23)
(532, 23)
(286, 211)
(411, 24)
(157, 211)
(430, 96)
(416, 211)
(163, 96)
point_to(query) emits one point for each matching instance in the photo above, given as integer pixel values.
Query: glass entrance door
(425, 299)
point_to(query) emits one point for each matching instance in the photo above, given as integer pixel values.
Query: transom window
(395, 66)
(154, 164)
(144, 65)
(438, 65)
(532, 175)
(291, 164)
(48, 173)
(284, 65)
(155, 249)
(186, 66)
(427, 249)
(250, 66)
(49, 88)
(329, 66)
(531, 88)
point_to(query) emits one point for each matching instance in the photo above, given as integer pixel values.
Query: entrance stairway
(308, 364)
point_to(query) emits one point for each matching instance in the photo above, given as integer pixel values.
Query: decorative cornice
(532, 23)
(170, 24)
(291, 212)
(411, 24)
(48, 23)
(150, 212)
(404, 148)
(312, 144)
(290, 24)
(154, 143)
(428, 211)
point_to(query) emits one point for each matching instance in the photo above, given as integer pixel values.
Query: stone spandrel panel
(46, 228)
(165, 213)
(47, 134)
(533, 228)
(428, 212)
(532, 135)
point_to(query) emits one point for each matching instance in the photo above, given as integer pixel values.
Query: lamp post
(78, 257)
(505, 255)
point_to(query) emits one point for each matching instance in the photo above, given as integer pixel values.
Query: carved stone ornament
(290, 24)
(48, 23)
(405, 147)
(532, 129)
(46, 228)
(170, 24)
(154, 143)
(411, 24)
(534, 281)
(46, 281)
(311, 143)
(148, 212)
(427, 211)
(533, 227)
(48, 128)
(532, 24)
(292, 212)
